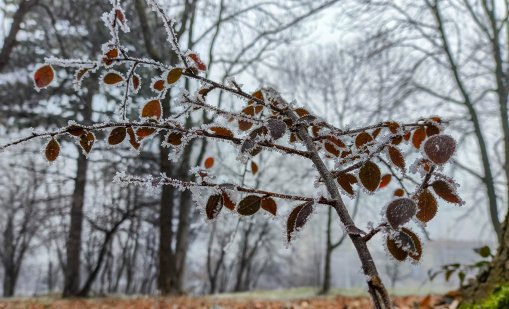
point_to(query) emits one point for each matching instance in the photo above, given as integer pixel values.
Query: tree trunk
(72, 268)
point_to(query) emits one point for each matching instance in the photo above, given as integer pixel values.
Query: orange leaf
(152, 110)
(209, 162)
(52, 150)
(158, 85)
(418, 137)
(112, 53)
(44, 76)
(221, 131)
(197, 61)
(399, 192)
(386, 179)
(120, 16)
(254, 168)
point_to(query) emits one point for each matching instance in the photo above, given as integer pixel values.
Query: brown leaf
(136, 81)
(298, 218)
(446, 192)
(336, 141)
(117, 136)
(145, 132)
(245, 125)
(393, 126)
(112, 78)
(132, 138)
(417, 252)
(76, 130)
(249, 205)
(331, 149)
(268, 204)
(346, 181)
(174, 138)
(418, 137)
(44, 76)
(197, 61)
(362, 139)
(227, 201)
(112, 53)
(277, 128)
(213, 206)
(386, 179)
(376, 132)
(399, 192)
(369, 175)
(400, 211)
(120, 16)
(396, 157)
(209, 162)
(152, 109)
(52, 150)
(222, 131)
(173, 75)
(427, 205)
(301, 112)
(432, 130)
(440, 148)
(254, 168)
(87, 141)
(393, 248)
(158, 85)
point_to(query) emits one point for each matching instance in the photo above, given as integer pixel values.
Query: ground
(289, 299)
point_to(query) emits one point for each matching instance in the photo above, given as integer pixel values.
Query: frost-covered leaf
(135, 80)
(418, 137)
(76, 130)
(132, 138)
(427, 205)
(87, 141)
(174, 138)
(249, 205)
(52, 150)
(209, 162)
(227, 201)
(446, 192)
(362, 139)
(117, 136)
(396, 157)
(244, 125)
(301, 112)
(331, 149)
(416, 253)
(277, 128)
(158, 85)
(145, 132)
(173, 76)
(393, 248)
(43, 76)
(222, 131)
(432, 130)
(152, 110)
(369, 175)
(213, 207)
(400, 211)
(346, 181)
(197, 61)
(112, 78)
(268, 204)
(440, 148)
(298, 218)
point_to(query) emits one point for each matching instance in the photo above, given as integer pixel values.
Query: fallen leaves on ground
(330, 302)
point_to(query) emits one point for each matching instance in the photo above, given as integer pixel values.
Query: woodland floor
(217, 302)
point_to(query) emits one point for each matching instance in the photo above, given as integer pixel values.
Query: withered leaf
(44, 76)
(346, 181)
(277, 128)
(52, 150)
(427, 205)
(396, 157)
(173, 75)
(213, 207)
(418, 137)
(249, 205)
(400, 211)
(152, 109)
(298, 218)
(369, 175)
(446, 192)
(440, 148)
(112, 78)
(117, 136)
(268, 204)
